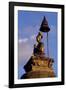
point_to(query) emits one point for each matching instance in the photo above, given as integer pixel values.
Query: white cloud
(33, 36)
(23, 40)
(24, 52)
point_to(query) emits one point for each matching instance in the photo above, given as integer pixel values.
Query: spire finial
(44, 25)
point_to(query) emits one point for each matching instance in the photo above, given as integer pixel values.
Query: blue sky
(28, 27)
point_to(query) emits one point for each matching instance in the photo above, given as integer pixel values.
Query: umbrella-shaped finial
(44, 25)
